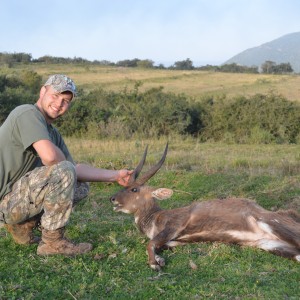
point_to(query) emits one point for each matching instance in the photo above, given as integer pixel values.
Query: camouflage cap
(61, 83)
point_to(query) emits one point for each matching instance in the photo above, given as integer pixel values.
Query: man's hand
(123, 177)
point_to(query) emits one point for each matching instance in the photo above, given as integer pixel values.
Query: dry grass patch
(189, 154)
(192, 83)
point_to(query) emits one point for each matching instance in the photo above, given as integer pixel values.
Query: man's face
(53, 104)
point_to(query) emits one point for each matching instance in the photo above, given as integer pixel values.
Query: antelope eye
(134, 190)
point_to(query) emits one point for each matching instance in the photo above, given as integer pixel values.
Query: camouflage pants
(52, 190)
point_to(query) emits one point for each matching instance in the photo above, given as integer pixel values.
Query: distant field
(192, 83)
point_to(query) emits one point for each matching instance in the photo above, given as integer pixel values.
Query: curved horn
(138, 169)
(145, 177)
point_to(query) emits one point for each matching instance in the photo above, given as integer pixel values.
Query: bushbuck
(231, 220)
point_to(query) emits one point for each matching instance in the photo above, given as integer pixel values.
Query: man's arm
(51, 154)
(91, 174)
(48, 152)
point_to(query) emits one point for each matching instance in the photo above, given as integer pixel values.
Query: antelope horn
(138, 169)
(146, 176)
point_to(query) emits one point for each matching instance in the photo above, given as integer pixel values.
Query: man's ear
(42, 91)
(162, 193)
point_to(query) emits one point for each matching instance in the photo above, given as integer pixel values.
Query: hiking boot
(22, 233)
(53, 242)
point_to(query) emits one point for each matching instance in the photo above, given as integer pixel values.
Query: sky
(164, 31)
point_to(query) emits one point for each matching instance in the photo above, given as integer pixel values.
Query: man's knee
(66, 170)
(62, 182)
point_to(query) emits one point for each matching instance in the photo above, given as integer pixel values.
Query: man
(39, 181)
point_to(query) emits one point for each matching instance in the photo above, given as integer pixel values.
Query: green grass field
(117, 267)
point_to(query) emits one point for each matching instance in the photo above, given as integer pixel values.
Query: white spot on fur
(270, 245)
(174, 243)
(260, 231)
(125, 211)
(195, 235)
(297, 257)
(265, 227)
(152, 232)
(242, 235)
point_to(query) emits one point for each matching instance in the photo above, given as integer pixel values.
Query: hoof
(155, 267)
(160, 260)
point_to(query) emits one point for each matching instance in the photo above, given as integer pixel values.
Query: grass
(191, 155)
(192, 83)
(117, 268)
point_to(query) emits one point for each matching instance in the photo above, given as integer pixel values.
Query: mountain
(285, 49)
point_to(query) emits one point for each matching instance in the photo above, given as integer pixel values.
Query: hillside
(285, 49)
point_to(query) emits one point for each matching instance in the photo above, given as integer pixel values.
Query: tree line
(154, 113)
(268, 67)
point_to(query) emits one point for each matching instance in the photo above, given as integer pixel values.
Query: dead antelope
(237, 221)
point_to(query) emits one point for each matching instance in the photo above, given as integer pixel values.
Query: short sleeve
(31, 127)
(58, 140)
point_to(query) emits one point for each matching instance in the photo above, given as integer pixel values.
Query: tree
(235, 68)
(183, 65)
(11, 58)
(267, 66)
(145, 64)
(283, 68)
(128, 63)
(270, 67)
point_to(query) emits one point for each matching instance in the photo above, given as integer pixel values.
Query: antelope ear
(162, 193)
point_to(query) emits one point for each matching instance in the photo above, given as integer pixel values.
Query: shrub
(258, 119)
(154, 113)
(16, 90)
(128, 113)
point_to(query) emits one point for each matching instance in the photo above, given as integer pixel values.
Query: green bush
(258, 119)
(149, 114)
(155, 113)
(16, 90)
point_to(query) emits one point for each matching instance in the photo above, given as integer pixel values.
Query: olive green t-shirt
(24, 126)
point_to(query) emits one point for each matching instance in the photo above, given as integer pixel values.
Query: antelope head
(137, 195)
